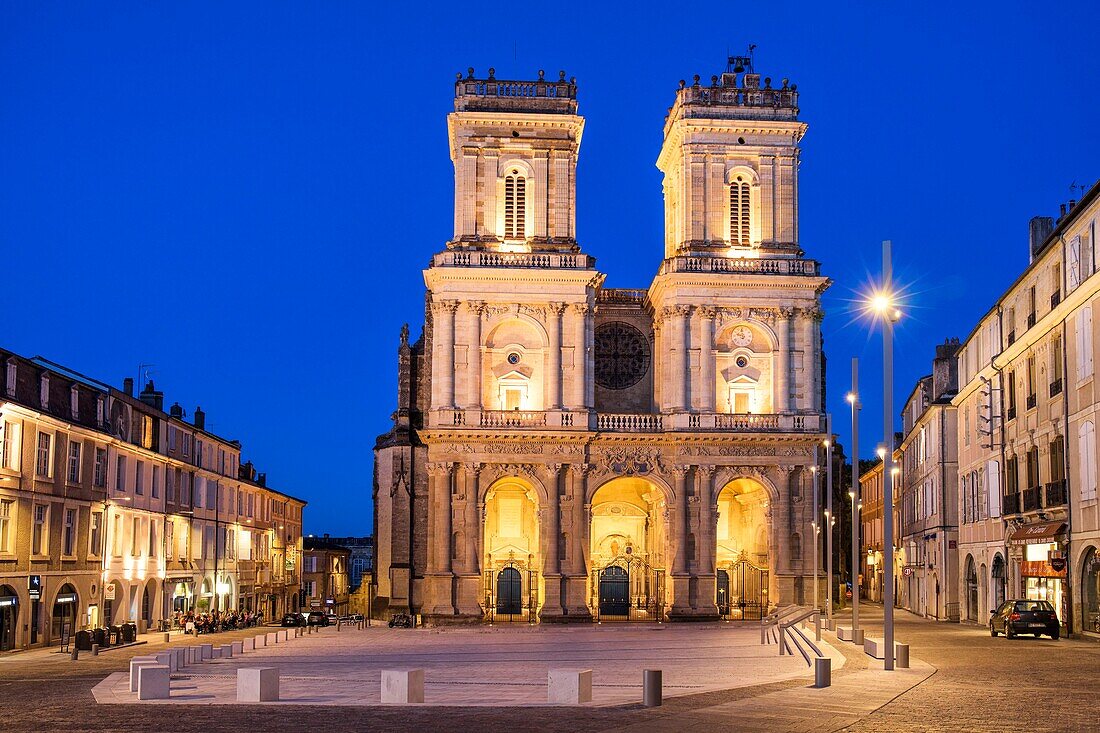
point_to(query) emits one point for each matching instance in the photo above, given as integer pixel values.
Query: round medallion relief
(622, 355)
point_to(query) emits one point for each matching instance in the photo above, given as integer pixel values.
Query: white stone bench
(402, 686)
(135, 664)
(154, 682)
(272, 639)
(249, 644)
(258, 684)
(876, 648)
(569, 686)
(207, 651)
(284, 635)
(238, 647)
(167, 658)
(181, 657)
(225, 651)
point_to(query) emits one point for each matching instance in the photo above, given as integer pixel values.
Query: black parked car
(318, 618)
(1024, 617)
(294, 619)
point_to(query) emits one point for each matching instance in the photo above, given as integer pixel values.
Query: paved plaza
(961, 680)
(505, 665)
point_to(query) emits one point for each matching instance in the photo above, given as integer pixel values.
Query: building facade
(325, 579)
(874, 574)
(361, 563)
(112, 510)
(1027, 438)
(564, 451)
(929, 492)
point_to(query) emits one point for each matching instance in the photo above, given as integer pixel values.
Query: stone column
(469, 576)
(443, 354)
(439, 580)
(550, 528)
(683, 363)
(553, 381)
(706, 389)
(680, 522)
(809, 360)
(706, 544)
(783, 360)
(576, 583)
(474, 309)
(579, 315)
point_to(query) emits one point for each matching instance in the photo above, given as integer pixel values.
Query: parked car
(317, 618)
(1023, 616)
(332, 618)
(294, 619)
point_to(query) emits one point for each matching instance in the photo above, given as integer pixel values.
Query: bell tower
(730, 161)
(514, 146)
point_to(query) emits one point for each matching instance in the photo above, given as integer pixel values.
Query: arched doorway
(628, 551)
(64, 611)
(971, 590)
(1090, 592)
(9, 617)
(742, 550)
(512, 555)
(999, 581)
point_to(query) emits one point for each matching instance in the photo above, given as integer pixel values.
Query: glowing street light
(829, 524)
(853, 400)
(816, 526)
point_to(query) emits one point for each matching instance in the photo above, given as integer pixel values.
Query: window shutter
(1086, 442)
(1074, 264)
(993, 480)
(1086, 339)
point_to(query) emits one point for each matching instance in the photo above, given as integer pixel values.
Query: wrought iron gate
(742, 591)
(628, 589)
(511, 594)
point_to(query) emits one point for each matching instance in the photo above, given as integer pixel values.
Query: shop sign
(66, 597)
(109, 592)
(907, 571)
(1058, 564)
(34, 587)
(7, 601)
(1041, 569)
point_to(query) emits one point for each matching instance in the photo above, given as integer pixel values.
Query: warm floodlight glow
(881, 454)
(851, 397)
(880, 303)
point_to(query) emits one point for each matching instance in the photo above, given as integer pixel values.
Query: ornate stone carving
(622, 355)
(537, 312)
(444, 306)
(629, 460)
(729, 450)
(556, 308)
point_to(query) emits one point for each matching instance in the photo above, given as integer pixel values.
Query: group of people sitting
(208, 623)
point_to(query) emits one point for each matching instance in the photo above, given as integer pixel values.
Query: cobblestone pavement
(974, 683)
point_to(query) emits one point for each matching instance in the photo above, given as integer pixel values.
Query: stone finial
(458, 76)
(767, 82)
(696, 80)
(786, 81)
(470, 72)
(561, 76)
(405, 335)
(572, 80)
(714, 80)
(682, 85)
(542, 74)
(492, 72)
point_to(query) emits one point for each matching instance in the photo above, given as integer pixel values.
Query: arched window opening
(515, 205)
(740, 213)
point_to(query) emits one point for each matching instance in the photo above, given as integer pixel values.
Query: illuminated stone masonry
(564, 451)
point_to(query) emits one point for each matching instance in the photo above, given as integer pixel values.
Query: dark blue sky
(244, 194)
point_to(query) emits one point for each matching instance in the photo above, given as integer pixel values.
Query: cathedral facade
(562, 451)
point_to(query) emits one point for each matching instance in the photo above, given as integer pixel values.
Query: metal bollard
(338, 625)
(901, 656)
(651, 688)
(823, 672)
(167, 637)
(857, 637)
(95, 650)
(76, 653)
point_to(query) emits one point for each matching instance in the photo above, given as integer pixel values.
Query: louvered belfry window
(740, 213)
(515, 205)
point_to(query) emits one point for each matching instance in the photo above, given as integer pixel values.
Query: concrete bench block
(402, 686)
(284, 635)
(248, 644)
(258, 684)
(154, 682)
(181, 657)
(135, 664)
(875, 647)
(569, 686)
(238, 647)
(272, 639)
(225, 651)
(168, 659)
(207, 651)
(844, 633)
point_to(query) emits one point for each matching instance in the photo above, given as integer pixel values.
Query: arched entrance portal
(628, 552)
(971, 590)
(742, 550)
(9, 616)
(64, 611)
(512, 582)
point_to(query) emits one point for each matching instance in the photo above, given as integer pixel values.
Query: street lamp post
(854, 494)
(816, 529)
(884, 304)
(829, 520)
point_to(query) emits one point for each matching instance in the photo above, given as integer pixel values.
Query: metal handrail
(792, 623)
(805, 655)
(771, 623)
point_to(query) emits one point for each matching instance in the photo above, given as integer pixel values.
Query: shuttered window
(515, 206)
(740, 214)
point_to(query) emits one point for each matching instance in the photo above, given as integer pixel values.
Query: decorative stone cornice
(444, 306)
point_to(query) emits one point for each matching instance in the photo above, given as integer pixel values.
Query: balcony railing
(641, 422)
(740, 265)
(1056, 387)
(628, 422)
(1010, 413)
(1056, 493)
(1055, 299)
(1030, 320)
(1011, 503)
(1012, 337)
(1031, 401)
(1031, 498)
(540, 260)
(512, 419)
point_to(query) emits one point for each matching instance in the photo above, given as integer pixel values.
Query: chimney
(261, 479)
(151, 396)
(176, 411)
(1039, 229)
(128, 386)
(945, 368)
(200, 419)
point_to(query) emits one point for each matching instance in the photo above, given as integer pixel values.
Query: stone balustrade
(613, 422)
(527, 260)
(746, 265)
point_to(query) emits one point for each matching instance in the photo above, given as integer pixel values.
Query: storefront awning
(1037, 533)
